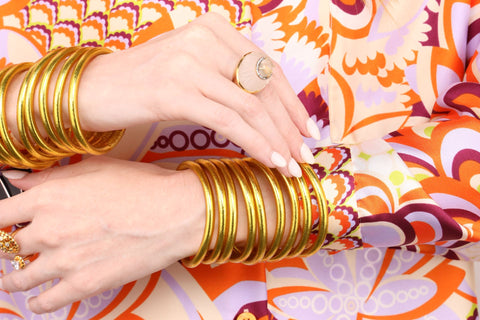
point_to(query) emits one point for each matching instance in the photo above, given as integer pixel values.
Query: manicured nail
(1, 284)
(307, 155)
(312, 129)
(278, 160)
(14, 174)
(294, 168)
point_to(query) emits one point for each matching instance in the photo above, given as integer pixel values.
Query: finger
(286, 127)
(15, 210)
(294, 106)
(242, 45)
(250, 108)
(26, 181)
(27, 244)
(34, 274)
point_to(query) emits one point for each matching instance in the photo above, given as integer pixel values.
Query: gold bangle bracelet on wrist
(209, 220)
(220, 209)
(232, 208)
(220, 179)
(322, 208)
(306, 214)
(98, 144)
(280, 206)
(261, 244)
(251, 214)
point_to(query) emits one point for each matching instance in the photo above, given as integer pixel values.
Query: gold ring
(253, 72)
(8, 243)
(19, 262)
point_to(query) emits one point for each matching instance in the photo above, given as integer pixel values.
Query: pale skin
(183, 75)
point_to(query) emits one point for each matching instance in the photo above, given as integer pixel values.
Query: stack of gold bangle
(219, 179)
(34, 150)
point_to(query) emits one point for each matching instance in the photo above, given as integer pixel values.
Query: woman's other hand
(186, 74)
(99, 224)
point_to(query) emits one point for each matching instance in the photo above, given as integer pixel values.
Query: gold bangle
(221, 209)
(250, 206)
(8, 151)
(280, 206)
(232, 208)
(65, 137)
(38, 148)
(292, 235)
(60, 56)
(262, 232)
(209, 217)
(306, 212)
(322, 208)
(105, 141)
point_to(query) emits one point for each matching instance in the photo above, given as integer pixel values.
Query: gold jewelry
(7, 148)
(221, 209)
(253, 72)
(209, 220)
(19, 262)
(100, 142)
(250, 205)
(260, 213)
(323, 210)
(232, 209)
(280, 206)
(8, 243)
(306, 212)
(221, 176)
(292, 235)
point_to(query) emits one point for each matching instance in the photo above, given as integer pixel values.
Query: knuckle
(251, 109)
(44, 305)
(16, 283)
(198, 33)
(225, 118)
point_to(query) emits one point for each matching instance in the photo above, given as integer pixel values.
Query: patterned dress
(394, 88)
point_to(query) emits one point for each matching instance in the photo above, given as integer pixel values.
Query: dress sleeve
(417, 189)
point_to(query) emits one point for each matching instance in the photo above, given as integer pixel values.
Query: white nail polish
(312, 129)
(14, 174)
(307, 155)
(278, 160)
(294, 168)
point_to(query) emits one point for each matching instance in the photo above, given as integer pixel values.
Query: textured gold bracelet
(209, 220)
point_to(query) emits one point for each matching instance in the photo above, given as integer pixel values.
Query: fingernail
(294, 168)
(14, 174)
(278, 160)
(1, 284)
(312, 129)
(307, 155)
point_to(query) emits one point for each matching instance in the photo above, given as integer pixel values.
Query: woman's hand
(100, 224)
(186, 74)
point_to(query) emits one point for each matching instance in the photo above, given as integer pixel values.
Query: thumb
(16, 177)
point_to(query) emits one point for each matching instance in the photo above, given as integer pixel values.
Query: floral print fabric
(393, 87)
